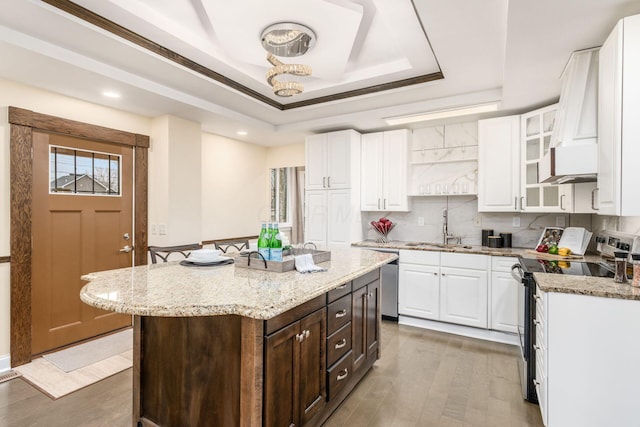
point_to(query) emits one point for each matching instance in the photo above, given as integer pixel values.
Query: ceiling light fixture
(287, 39)
(242, 133)
(442, 114)
(111, 94)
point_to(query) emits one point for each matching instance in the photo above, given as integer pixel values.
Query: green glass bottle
(263, 242)
(276, 244)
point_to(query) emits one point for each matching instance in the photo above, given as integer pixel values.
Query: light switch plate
(421, 220)
(515, 221)
(560, 221)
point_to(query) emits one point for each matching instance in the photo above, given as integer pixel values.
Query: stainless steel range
(606, 243)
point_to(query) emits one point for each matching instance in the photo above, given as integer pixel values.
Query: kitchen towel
(304, 264)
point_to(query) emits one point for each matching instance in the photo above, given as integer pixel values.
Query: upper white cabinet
(618, 123)
(499, 164)
(384, 160)
(329, 159)
(536, 129)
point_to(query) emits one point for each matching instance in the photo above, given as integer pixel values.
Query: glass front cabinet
(536, 129)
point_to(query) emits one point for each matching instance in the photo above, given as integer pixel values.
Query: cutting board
(543, 255)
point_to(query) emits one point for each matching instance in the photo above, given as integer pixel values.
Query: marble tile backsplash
(465, 221)
(625, 224)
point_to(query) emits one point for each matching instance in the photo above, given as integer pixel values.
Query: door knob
(126, 249)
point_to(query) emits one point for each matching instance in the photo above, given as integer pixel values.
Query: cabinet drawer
(419, 257)
(502, 263)
(474, 261)
(338, 344)
(338, 292)
(339, 375)
(365, 279)
(338, 314)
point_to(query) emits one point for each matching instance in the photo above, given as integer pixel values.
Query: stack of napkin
(304, 264)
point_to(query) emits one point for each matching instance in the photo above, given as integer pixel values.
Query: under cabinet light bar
(442, 114)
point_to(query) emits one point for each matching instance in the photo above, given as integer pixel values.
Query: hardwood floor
(424, 378)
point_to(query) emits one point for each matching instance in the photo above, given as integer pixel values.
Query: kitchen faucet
(445, 229)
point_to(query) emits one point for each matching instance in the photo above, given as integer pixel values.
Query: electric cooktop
(574, 268)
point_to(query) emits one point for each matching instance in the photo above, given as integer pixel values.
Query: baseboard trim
(5, 363)
(467, 331)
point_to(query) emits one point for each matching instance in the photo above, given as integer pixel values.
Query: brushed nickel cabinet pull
(593, 199)
(306, 333)
(341, 344)
(342, 286)
(342, 375)
(329, 182)
(341, 313)
(324, 182)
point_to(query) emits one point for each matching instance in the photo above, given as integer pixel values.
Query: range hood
(573, 153)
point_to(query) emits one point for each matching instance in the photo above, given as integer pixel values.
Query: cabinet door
(373, 310)
(419, 291)
(315, 225)
(281, 388)
(316, 156)
(499, 164)
(504, 302)
(339, 159)
(394, 170)
(359, 325)
(312, 385)
(463, 296)
(536, 128)
(609, 123)
(371, 171)
(340, 217)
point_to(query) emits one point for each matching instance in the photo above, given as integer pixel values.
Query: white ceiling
(490, 50)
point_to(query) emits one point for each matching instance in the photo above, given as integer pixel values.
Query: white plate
(209, 261)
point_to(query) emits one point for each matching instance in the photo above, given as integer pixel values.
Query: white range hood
(573, 152)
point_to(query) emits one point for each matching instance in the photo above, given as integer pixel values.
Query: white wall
(233, 181)
(174, 182)
(286, 156)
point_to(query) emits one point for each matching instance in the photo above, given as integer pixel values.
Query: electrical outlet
(477, 220)
(560, 221)
(162, 229)
(515, 221)
(420, 220)
(154, 229)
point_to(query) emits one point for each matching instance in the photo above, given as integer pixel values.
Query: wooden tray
(544, 255)
(287, 263)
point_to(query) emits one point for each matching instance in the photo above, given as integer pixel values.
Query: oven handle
(519, 275)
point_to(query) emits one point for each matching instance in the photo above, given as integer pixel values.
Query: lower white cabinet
(503, 302)
(420, 294)
(463, 296)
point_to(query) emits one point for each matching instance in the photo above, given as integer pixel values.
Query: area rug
(56, 383)
(76, 357)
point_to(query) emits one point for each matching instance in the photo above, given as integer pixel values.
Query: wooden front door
(82, 218)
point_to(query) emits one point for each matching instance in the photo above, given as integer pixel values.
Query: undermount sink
(437, 245)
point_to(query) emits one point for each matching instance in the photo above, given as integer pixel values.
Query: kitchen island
(225, 346)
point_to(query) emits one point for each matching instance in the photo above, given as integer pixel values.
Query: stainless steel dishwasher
(389, 285)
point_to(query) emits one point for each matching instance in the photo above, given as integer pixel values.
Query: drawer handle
(341, 313)
(536, 322)
(341, 344)
(536, 347)
(537, 298)
(342, 286)
(342, 375)
(536, 382)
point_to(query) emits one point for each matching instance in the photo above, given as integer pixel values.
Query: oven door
(526, 331)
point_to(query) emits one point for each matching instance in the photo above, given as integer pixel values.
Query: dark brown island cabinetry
(292, 370)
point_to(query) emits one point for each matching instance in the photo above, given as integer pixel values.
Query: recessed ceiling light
(442, 114)
(111, 94)
(242, 132)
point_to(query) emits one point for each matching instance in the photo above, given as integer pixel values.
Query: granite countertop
(439, 247)
(173, 290)
(586, 285)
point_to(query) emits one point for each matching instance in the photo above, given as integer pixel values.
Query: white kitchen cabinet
(503, 300)
(419, 295)
(618, 125)
(329, 160)
(589, 351)
(463, 296)
(499, 164)
(332, 218)
(384, 171)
